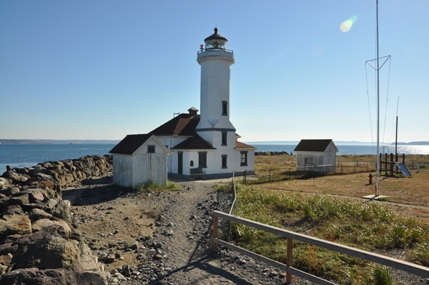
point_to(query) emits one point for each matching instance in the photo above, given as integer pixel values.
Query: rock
(4, 183)
(35, 276)
(47, 249)
(62, 211)
(14, 224)
(110, 258)
(45, 223)
(36, 214)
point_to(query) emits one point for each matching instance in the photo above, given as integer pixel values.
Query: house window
(224, 161)
(308, 161)
(243, 158)
(224, 108)
(202, 159)
(224, 138)
(151, 149)
(191, 163)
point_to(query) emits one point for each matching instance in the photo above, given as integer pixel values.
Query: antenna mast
(377, 68)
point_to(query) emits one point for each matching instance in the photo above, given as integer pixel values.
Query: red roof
(243, 145)
(181, 125)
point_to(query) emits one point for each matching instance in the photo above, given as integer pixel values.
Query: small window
(243, 158)
(224, 138)
(224, 161)
(202, 159)
(224, 108)
(166, 146)
(191, 163)
(151, 149)
(308, 161)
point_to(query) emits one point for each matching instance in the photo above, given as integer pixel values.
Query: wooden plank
(215, 231)
(274, 263)
(373, 257)
(289, 260)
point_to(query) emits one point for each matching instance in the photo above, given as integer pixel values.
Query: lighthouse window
(224, 108)
(224, 160)
(224, 136)
(243, 158)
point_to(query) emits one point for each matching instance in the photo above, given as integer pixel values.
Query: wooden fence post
(214, 232)
(289, 260)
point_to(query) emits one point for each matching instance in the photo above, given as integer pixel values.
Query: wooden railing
(366, 255)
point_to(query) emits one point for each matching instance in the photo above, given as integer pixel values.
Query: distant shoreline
(27, 142)
(42, 141)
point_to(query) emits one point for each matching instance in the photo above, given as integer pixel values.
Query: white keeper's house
(204, 144)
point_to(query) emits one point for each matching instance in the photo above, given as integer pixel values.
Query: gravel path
(165, 238)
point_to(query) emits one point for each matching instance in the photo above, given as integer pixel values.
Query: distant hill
(24, 141)
(412, 143)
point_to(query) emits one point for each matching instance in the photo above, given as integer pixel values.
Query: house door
(180, 163)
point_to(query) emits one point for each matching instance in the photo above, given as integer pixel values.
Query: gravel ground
(164, 238)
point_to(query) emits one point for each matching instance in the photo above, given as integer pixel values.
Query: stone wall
(38, 244)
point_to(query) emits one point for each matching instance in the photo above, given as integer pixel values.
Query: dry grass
(407, 195)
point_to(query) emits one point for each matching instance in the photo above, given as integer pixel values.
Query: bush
(151, 186)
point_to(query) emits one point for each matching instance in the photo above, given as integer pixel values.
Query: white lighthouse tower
(215, 60)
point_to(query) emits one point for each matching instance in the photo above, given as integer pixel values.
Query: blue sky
(105, 69)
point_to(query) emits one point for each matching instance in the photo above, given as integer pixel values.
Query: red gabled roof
(130, 144)
(181, 125)
(313, 145)
(243, 145)
(194, 142)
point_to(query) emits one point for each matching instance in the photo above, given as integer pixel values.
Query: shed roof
(130, 144)
(313, 145)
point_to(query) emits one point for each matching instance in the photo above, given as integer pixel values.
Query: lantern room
(215, 41)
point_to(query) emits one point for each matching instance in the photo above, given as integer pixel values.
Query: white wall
(322, 161)
(122, 170)
(133, 170)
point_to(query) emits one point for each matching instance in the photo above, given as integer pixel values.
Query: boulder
(62, 211)
(14, 224)
(45, 249)
(35, 276)
(42, 224)
(4, 183)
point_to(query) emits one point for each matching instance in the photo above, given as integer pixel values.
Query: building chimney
(193, 111)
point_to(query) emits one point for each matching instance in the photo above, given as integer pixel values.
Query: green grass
(151, 186)
(367, 225)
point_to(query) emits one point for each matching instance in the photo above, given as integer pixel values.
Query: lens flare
(348, 24)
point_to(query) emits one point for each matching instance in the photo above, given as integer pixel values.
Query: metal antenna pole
(377, 68)
(377, 183)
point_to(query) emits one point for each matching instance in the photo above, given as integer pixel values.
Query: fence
(341, 168)
(291, 236)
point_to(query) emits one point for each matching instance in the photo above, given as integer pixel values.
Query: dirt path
(162, 238)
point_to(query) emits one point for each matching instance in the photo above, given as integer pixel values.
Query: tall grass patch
(151, 186)
(367, 225)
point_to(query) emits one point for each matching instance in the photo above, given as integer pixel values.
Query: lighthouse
(215, 61)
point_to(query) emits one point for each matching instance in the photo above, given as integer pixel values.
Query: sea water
(26, 155)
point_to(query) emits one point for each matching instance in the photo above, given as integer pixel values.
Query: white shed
(319, 155)
(138, 159)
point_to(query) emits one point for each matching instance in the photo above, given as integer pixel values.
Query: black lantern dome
(215, 41)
